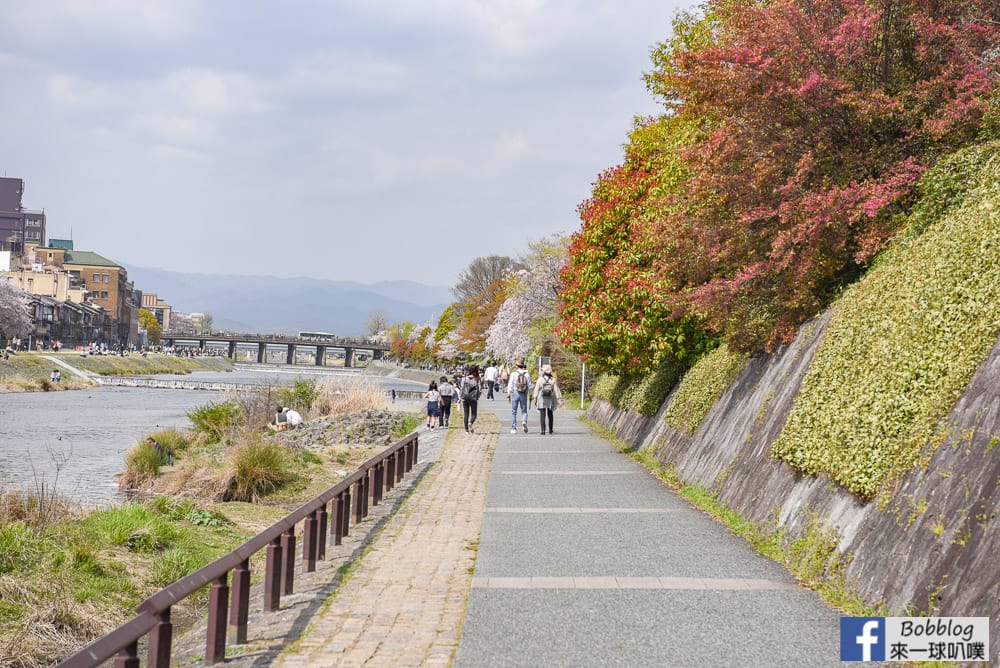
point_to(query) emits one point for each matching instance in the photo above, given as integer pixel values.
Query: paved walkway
(584, 559)
(404, 603)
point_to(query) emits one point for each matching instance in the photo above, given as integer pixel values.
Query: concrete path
(586, 559)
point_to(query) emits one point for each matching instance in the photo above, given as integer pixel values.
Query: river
(75, 441)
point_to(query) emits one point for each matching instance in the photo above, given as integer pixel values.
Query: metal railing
(232, 603)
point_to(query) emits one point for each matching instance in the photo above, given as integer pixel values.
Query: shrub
(701, 387)
(646, 394)
(259, 467)
(300, 395)
(172, 440)
(901, 347)
(603, 386)
(216, 420)
(142, 464)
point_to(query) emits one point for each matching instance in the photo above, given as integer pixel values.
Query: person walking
(471, 389)
(433, 398)
(447, 391)
(518, 387)
(490, 378)
(547, 396)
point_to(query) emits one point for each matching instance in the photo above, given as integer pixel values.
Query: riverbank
(69, 575)
(30, 372)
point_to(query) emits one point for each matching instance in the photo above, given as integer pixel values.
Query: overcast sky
(358, 140)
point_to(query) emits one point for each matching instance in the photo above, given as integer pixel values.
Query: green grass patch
(138, 365)
(261, 466)
(702, 386)
(903, 343)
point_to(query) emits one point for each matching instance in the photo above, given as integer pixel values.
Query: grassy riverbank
(29, 372)
(69, 575)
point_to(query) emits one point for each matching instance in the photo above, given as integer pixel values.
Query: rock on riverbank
(359, 428)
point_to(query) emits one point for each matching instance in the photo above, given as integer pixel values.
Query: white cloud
(511, 146)
(130, 21)
(347, 73)
(77, 93)
(175, 153)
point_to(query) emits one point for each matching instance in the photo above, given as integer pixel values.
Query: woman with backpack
(547, 396)
(471, 388)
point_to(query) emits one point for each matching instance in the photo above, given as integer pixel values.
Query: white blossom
(15, 316)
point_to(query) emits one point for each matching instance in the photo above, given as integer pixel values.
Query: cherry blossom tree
(15, 316)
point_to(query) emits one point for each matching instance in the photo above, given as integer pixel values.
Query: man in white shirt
(490, 377)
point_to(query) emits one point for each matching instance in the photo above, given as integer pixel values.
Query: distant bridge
(291, 345)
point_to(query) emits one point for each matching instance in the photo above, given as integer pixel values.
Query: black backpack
(470, 390)
(546, 386)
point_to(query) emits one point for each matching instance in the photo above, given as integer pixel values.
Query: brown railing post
(416, 449)
(390, 471)
(272, 576)
(309, 544)
(367, 483)
(359, 493)
(159, 641)
(128, 657)
(218, 603)
(410, 458)
(345, 529)
(321, 546)
(378, 472)
(239, 610)
(338, 519)
(288, 560)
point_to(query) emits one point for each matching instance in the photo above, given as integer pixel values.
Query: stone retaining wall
(931, 549)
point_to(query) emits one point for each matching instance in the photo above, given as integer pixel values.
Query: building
(161, 309)
(19, 227)
(106, 282)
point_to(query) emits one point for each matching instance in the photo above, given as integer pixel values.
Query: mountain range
(266, 304)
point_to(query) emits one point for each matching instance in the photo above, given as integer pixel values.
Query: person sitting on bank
(280, 420)
(56, 376)
(165, 457)
(293, 417)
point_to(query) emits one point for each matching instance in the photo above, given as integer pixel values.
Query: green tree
(147, 320)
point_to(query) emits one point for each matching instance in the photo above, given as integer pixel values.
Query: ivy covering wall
(904, 342)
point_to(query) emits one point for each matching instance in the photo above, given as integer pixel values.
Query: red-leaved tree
(819, 117)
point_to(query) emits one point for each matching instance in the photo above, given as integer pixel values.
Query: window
(104, 294)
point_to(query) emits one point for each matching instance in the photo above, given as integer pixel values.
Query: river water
(75, 441)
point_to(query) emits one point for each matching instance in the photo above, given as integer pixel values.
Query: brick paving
(404, 603)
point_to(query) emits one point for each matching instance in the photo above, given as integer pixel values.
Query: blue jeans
(515, 399)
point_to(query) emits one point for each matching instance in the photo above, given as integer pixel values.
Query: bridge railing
(230, 605)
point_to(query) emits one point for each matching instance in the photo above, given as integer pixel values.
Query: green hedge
(642, 394)
(904, 342)
(701, 387)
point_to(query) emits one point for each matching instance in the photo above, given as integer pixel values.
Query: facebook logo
(862, 638)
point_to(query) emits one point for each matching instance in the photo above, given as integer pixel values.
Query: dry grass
(36, 509)
(347, 395)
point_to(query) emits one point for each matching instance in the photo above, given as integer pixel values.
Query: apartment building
(105, 281)
(19, 227)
